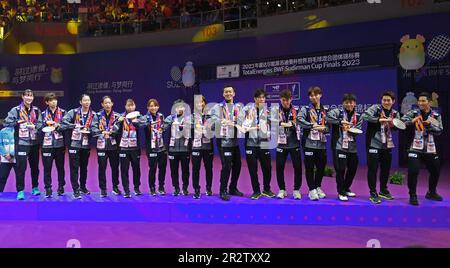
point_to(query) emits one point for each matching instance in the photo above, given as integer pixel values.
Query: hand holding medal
(318, 127)
(417, 118)
(106, 134)
(433, 121)
(345, 125)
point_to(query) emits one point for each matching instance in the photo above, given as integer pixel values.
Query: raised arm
(332, 117)
(302, 118)
(95, 129)
(435, 130)
(408, 117)
(167, 123)
(39, 123)
(11, 119)
(371, 114)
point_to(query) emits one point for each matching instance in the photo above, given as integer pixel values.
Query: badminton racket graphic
(437, 50)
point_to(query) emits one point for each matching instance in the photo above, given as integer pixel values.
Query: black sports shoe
(77, 195)
(137, 191)
(208, 192)
(152, 191)
(161, 190)
(413, 200)
(85, 191)
(255, 196)
(269, 194)
(103, 193)
(434, 196)
(60, 190)
(236, 192)
(116, 191)
(185, 192)
(176, 192)
(374, 198)
(386, 195)
(127, 194)
(197, 194)
(48, 193)
(224, 196)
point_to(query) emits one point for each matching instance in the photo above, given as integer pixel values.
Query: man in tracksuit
(427, 124)
(26, 120)
(202, 147)
(225, 115)
(255, 120)
(288, 143)
(179, 146)
(7, 155)
(130, 151)
(53, 146)
(79, 121)
(105, 130)
(312, 120)
(156, 150)
(379, 144)
(346, 150)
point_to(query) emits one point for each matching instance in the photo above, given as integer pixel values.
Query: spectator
(184, 17)
(151, 13)
(131, 4)
(167, 11)
(141, 7)
(148, 8)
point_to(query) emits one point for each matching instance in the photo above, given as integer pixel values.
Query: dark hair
(348, 97)
(50, 96)
(225, 86)
(388, 93)
(178, 101)
(424, 94)
(84, 95)
(130, 101)
(27, 92)
(106, 97)
(203, 99)
(314, 90)
(154, 101)
(259, 92)
(286, 94)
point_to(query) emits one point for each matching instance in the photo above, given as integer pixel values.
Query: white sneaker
(313, 195)
(281, 194)
(343, 198)
(297, 195)
(320, 193)
(350, 194)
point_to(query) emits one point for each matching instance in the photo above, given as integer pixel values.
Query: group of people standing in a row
(290, 127)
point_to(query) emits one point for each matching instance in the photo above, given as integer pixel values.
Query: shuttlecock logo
(408, 101)
(188, 76)
(4, 75)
